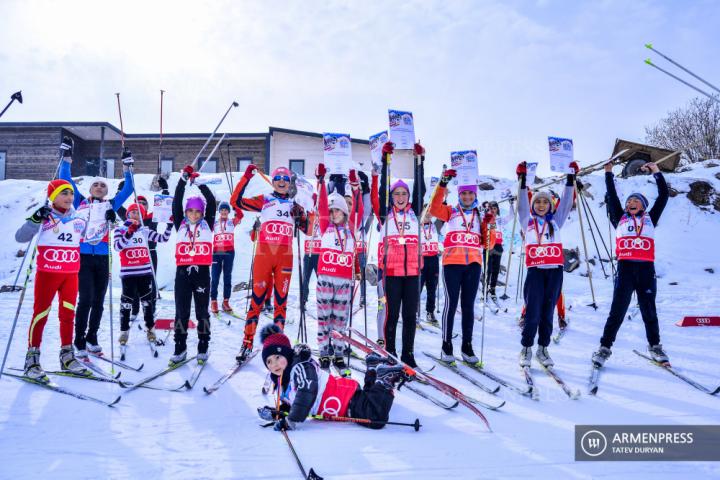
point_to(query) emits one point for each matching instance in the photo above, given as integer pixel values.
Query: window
(3, 156)
(166, 165)
(242, 163)
(211, 165)
(109, 168)
(297, 166)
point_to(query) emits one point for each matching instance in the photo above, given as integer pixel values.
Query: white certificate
(402, 129)
(162, 208)
(376, 143)
(97, 226)
(465, 164)
(531, 171)
(561, 154)
(337, 153)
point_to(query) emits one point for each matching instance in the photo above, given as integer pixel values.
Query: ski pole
(333, 418)
(15, 96)
(217, 145)
(17, 311)
(485, 288)
(302, 329)
(250, 273)
(587, 260)
(159, 168)
(20, 269)
(588, 214)
(110, 274)
(703, 92)
(122, 129)
(649, 46)
(512, 245)
(520, 270)
(194, 162)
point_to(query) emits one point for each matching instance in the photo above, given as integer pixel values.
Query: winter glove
(41, 214)
(521, 169)
(388, 148)
(284, 424)
(256, 225)
(488, 217)
(249, 171)
(364, 182)
(375, 170)
(270, 413)
(580, 185)
(302, 352)
(418, 150)
(353, 178)
(127, 158)
(447, 175)
(67, 147)
(110, 215)
(297, 211)
(132, 227)
(320, 172)
(162, 183)
(189, 174)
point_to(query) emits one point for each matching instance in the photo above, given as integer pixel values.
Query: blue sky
(496, 76)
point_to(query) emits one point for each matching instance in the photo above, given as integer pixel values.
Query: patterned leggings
(333, 311)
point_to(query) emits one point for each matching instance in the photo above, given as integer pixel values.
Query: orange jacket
(453, 255)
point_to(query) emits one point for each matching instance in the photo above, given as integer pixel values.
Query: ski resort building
(29, 150)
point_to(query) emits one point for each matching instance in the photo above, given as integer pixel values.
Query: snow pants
(401, 293)
(461, 284)
(136, 299)
(272, 269)
(192, 283)
(372, 402)
(493, 267)
(638, 277)
(541, 291)
(333, 312)
(310, 263)
(93, 283)
(140, 287)
(222, 264)
(47, 284)
(429, 277)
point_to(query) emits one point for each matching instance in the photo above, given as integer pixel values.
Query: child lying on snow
(305, 389)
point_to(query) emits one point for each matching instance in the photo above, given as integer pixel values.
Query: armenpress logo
(593, 443)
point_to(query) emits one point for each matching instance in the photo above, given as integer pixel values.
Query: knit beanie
(274, 342)
(55, 187)
(640, 197)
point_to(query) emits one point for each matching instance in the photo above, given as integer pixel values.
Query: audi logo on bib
(276, 228)
(223, 237)
(549, 254)
(136, 253)
(335, 264)
(61, 255)
(331, 406)
(199, 249)
(635, 248)
(337, 258)
(131, 257)
(462, 239)
(58, 259)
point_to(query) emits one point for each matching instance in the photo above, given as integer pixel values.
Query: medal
(401, 241)
(638, 242)
(191, 252)
(540, 251)
(56, 229)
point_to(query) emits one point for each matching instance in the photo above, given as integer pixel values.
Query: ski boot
(430, 318)
(374, 359)
(562, 323)
(124, 336)
(447, 352)
(226, 306)
(341, 366)
(151, 336)
(202, 354)
(389, 375)
(600, 357)
(244, 351)
(177, 358)
(325, 362)
(525, 356)
(543, 356)
(408, 359)
(658, 354)
(214, 307)
(69, 363)
(467, 353)
(33, 369)
(94, 349)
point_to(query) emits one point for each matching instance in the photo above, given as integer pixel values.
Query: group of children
(74, 257)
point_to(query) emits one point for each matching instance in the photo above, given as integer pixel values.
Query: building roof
(92, 131)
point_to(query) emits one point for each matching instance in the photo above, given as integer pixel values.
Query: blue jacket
(102, 247)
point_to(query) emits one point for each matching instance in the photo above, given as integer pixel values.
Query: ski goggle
(284, 178)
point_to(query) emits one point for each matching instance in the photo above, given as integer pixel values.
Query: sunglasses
(284, 178)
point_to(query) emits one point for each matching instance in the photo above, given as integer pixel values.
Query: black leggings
(493, 267)
(401, 292)
(92, 285)
(461, 284)
(192, 283)
(429, 280)
(373, 402)
(137, 287)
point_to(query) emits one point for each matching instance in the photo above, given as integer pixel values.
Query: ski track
(192, 435)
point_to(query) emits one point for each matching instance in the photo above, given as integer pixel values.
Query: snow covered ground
(163, 434)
